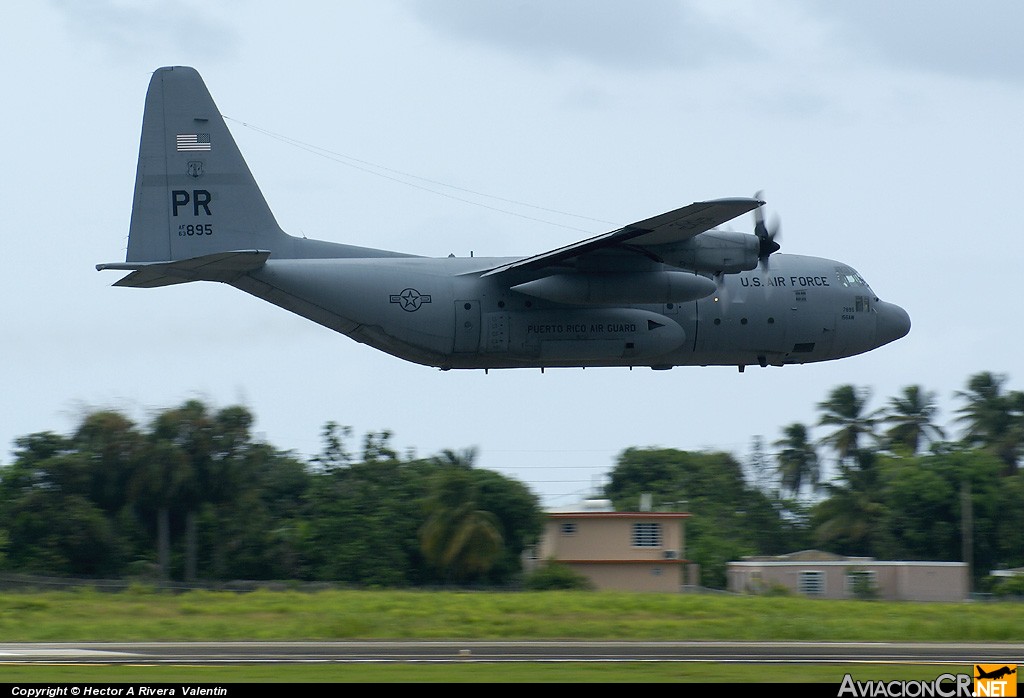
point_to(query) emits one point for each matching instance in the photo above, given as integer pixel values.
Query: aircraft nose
(893, 322)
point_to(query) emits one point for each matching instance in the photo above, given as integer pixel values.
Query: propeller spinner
(765, 235)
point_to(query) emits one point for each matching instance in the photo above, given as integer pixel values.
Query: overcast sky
(885, 135)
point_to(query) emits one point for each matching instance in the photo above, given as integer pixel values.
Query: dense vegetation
(192, 495)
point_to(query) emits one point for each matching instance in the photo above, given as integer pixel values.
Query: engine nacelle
(714, 251)
(619, 288)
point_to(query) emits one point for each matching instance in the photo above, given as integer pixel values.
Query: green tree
(335, 453)
(52, 525)
(797, 460)
(377, 447)
(157, 484)
(460, 539)
(519, 517)
(114, 446)
(1008, 526)
(911, 416)
(361, 522)
(729, 519)
(922, 510)
(345, 514)
(194, 459)
(193, 492)
(257, 533)
(993, 419)
(845, 409)
(51, 533)
(849, 520)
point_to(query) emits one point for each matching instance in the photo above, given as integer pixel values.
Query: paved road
(385, 651)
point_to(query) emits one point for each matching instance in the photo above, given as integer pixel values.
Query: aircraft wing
(675, 226)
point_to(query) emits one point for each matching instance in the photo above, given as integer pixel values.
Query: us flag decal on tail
(189, 142)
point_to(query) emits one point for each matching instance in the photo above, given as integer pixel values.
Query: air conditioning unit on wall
(670, 554)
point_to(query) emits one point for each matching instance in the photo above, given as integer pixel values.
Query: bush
(553, 575)
(1009, 586)
(771, 589)
(863, 586)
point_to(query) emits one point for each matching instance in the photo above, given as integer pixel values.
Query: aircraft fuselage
(441, 312)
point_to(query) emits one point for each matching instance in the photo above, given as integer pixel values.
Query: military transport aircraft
(672, 290)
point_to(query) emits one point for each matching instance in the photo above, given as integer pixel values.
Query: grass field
(145, 615)
(570, 672)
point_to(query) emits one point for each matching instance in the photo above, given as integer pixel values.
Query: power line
(395, 176)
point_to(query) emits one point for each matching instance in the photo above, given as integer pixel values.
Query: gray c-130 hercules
(672, 290)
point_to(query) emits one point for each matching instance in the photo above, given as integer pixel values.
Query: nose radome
(893, 322)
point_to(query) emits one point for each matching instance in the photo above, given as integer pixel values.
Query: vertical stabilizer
(194, 194)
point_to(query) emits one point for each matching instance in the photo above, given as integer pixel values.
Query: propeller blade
(766, 236)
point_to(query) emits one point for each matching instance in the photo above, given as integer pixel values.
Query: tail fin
(194, 194)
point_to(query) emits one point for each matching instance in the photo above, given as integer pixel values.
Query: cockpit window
(848, 277)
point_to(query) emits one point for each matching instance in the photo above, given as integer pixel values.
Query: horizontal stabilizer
(222, 266)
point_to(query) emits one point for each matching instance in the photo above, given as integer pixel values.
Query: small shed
(818, 574)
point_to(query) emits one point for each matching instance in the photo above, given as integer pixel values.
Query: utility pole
(967, 532)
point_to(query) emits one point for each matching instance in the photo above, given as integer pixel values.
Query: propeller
(766, 247)
(765, 235)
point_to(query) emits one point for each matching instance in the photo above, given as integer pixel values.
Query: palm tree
(797, 462)
(845, 410)
(911, 415)
(115, 445)
(195, 456)
(849, 520)
(465, 458)
(458, 538)
(993, 420)
(335, 455)
(163, 474)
